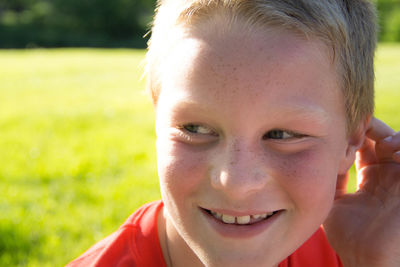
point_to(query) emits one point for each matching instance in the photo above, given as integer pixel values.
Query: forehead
(273, 63)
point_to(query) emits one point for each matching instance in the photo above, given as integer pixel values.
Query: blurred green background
(77, 150)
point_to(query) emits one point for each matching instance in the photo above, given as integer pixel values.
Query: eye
(197, 129)
(282, 135)
(196, 134)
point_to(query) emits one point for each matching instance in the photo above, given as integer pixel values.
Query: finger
(386, 148)
(366, 154)
(378, 130)
(381, 133)
(368, 178)
(396, 156)
(341, 185)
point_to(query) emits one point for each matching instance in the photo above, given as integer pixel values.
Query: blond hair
(347, 27)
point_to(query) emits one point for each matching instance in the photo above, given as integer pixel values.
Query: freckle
(287, 167)
(285, 163)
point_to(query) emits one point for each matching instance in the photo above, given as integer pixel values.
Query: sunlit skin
(247, 123)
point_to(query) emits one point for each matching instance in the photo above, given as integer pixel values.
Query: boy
(261, 107)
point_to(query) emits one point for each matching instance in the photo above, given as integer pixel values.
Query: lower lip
(240, 231)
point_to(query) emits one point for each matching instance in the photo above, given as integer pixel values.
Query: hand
(364, 227)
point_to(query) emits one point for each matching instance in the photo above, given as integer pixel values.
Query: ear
(354, 142)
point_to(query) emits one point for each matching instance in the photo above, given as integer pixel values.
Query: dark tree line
(389, 20)
(108, 23)
(49, 23)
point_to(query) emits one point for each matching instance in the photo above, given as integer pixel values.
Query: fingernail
(397, 154)
(388, 139)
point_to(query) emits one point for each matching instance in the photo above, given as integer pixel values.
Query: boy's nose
(239, 171)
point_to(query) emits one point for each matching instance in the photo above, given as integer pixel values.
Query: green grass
(77, 150)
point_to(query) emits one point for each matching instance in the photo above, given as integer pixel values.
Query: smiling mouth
(241, 220)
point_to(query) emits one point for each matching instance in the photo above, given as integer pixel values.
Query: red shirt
(136, 243)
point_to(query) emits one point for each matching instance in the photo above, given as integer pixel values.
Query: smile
(241, 220)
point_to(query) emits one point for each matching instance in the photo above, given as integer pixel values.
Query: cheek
(181, 171)
(309, 177)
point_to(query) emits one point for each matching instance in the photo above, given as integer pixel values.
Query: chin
(237, 260)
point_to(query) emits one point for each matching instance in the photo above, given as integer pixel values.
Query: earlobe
(355, 140)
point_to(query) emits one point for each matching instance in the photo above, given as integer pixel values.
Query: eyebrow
(313, 113)
(192, 104)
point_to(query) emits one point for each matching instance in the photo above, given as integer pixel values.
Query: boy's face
(248, 125)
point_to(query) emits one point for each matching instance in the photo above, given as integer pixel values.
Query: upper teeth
(239, 219)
